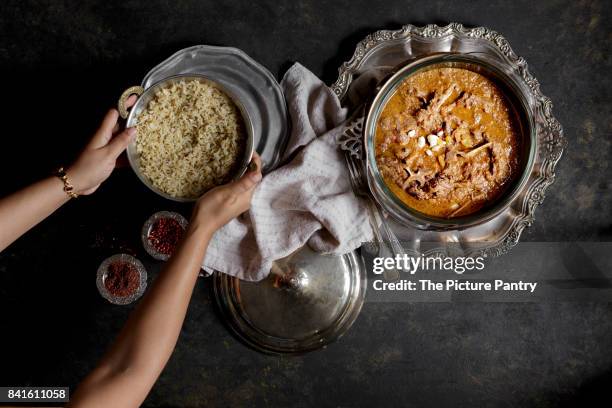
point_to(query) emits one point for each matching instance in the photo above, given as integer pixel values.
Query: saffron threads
(165, 235)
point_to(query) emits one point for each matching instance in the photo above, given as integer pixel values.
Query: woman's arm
(24, 209)
(127, 372)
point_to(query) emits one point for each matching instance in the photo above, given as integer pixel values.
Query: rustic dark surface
(64, 63)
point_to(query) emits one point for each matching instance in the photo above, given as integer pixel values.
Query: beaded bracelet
(68, 188)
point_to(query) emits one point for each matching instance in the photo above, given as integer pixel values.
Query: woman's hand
(218, 206)
(96, 163)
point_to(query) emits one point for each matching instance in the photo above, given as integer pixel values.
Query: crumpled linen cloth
(308, 201)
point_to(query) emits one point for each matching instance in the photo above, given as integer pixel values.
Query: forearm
(24, 209)
(21, 211)
(128, 371)
(130, 368)
(161, 313)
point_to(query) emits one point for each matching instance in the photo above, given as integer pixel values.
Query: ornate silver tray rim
(549, 129)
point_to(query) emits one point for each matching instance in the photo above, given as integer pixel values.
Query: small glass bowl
(146, 230)
(102, 273)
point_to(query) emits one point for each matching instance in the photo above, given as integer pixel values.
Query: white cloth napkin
(307, 201)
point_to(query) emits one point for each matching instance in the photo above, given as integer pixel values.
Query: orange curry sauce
(447, 142)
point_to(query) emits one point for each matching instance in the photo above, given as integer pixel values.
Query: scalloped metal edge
(555, 141)
(194, 48)
(248, 61)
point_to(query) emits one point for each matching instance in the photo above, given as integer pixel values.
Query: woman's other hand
(221, 204)
(96, 163)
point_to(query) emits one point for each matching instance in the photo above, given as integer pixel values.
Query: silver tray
(375, 58)
(250, 81)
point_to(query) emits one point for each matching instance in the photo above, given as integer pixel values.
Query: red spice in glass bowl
(121, 279)
(165, 235)
(162, 233)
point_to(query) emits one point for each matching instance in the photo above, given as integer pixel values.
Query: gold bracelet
(68, 188)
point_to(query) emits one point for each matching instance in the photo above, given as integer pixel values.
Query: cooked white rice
(190, 137)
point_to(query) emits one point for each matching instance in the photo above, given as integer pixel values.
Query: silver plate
(375, 58)
(307, 301)
(250, 81)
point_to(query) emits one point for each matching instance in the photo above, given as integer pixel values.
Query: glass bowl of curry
(450, 141)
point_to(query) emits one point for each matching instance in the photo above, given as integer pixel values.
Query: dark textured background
(64, 63)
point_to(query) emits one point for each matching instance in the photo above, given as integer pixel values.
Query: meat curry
(447, 142)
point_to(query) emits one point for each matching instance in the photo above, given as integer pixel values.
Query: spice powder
(122, 279)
